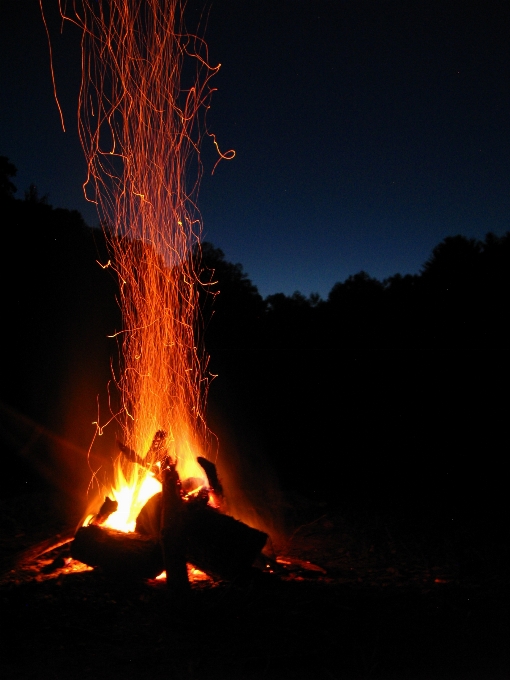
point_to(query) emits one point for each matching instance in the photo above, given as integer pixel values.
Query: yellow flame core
(141, 128)
(131, 498)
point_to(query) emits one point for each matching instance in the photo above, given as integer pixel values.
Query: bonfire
(141, 129)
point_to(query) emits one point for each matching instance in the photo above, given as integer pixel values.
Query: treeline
(388, 393)
(58, 306)
(457, 301)
(56, 300)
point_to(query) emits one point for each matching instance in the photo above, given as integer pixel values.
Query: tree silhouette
(7, 170)
(231, 305)
(32, 196)
(357, 288)
(454, 263)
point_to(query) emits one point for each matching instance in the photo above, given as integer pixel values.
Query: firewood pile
(174, 528)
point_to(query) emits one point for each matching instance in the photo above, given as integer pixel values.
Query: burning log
(123, 555)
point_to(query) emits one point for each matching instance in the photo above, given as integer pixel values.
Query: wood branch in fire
(107, 509)
(212, 475)
(133, 457)
(173, 531)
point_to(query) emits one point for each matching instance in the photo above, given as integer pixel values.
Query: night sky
(365, 132)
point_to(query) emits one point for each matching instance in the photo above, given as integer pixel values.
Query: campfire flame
(141, 129)
(131, 498)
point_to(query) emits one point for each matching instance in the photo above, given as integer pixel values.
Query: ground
(351, 600)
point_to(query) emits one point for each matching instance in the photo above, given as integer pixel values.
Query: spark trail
(141, 130)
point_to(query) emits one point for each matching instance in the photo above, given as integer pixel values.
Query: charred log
(217, 544)
(124, 555)
(148, 522)
(173, 532)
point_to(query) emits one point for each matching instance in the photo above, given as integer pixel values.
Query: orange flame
(141, 130)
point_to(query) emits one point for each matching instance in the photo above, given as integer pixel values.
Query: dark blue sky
(365, 132)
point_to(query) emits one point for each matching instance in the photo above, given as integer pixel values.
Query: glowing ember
(194, 575)
(141, 128)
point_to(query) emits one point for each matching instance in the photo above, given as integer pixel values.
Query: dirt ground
(347, 599)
